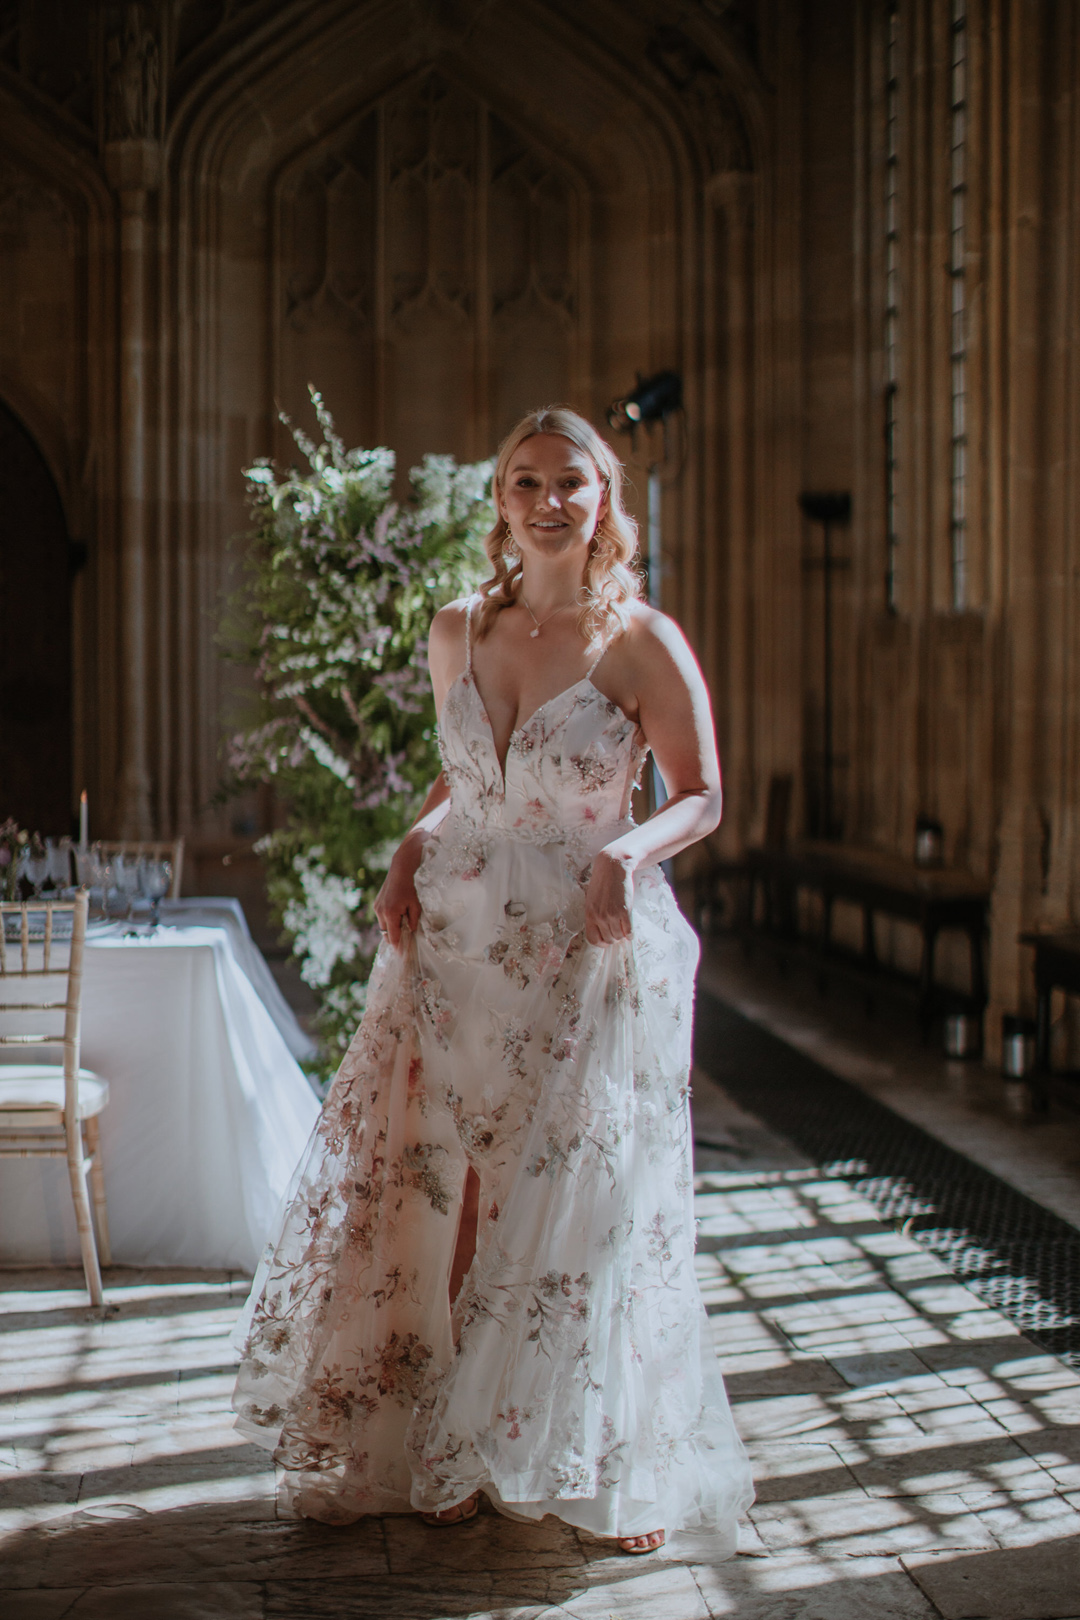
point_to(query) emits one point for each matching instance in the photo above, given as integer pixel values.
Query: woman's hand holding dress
(397, 902)
(608, 899)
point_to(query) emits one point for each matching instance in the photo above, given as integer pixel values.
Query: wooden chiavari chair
(50, 1110)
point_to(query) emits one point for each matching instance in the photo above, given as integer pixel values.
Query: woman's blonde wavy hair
(611, 580)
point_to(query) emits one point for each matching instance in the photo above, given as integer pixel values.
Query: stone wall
(443, 211)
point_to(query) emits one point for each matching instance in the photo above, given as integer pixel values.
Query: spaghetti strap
(595, 662)
(468, 636)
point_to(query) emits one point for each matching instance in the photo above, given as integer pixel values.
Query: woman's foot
(460, 1513)
(651, 1541)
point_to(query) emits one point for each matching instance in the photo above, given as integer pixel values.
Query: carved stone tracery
(332, 228)
(701, 86)
(532, 219)
(430, 221)
(428, 263)
(132, 78)
(430, 174)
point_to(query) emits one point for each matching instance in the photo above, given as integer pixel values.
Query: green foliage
(342, 583)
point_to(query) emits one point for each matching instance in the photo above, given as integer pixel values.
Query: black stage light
(826, 506)
(653, 399)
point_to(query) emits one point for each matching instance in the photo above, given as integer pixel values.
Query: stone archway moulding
(646, 117)
(501, 251)
(235, 139)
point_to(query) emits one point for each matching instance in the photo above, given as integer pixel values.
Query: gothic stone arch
(404, 223)
(429, 263)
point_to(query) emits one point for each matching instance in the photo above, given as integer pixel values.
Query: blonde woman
(485, 1281)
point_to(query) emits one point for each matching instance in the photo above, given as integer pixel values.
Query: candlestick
(84, 820)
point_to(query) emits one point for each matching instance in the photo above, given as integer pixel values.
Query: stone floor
(915, 1456)
(967, 1105)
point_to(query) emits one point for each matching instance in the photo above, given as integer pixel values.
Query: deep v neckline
(468, 675)
(469, 678)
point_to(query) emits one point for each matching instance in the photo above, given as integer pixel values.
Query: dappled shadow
(905, 1436)
(1018, 1256)
(115, 1544)
(392, 1566)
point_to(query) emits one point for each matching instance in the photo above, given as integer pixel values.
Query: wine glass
(112, 901)
(126, 876)
(37, 865)
(58, 855)
(90, 868)
(155, 881)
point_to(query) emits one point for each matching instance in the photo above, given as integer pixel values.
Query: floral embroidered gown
(583, 1383)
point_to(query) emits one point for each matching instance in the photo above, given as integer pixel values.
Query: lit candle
(84, 820)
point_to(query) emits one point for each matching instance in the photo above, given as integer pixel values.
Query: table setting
(209, 1109)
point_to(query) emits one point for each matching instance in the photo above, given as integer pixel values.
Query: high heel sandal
(460, 1513)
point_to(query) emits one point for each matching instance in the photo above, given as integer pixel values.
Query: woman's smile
(552, 492)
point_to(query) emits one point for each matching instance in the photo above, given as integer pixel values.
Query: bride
(484, 1283)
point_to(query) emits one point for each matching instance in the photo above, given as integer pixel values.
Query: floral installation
(341, 584)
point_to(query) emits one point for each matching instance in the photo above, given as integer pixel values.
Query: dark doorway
(35, 638)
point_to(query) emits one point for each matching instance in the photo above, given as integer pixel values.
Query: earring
(509, 544)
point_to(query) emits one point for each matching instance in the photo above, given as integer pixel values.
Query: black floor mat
(1018, 1257)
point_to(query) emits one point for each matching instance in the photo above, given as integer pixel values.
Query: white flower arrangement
(321, 919)
(343, 583)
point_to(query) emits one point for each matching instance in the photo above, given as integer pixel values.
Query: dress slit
(466, 1215)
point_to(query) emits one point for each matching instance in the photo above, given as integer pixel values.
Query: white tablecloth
(208, 1111)
(221, 911)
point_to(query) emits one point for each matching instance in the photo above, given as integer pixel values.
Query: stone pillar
(131, 106)
(133, 168)
(729, 646)
(1018, 880)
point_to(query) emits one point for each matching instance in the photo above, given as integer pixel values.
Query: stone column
(133, 169)
(1018, 880)
(729, 647)
(132, 122)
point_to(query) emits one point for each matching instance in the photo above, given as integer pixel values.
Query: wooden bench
(1057, 967)
(933, 898)
(737, 871)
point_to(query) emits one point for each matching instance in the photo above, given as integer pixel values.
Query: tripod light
(652, 400)
(832, 509)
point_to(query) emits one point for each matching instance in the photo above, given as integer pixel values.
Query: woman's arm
(397, 901)
(675, 716)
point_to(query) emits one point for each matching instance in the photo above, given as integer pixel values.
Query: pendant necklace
(540, 623)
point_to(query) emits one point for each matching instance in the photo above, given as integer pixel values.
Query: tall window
(892, 298)
(958, 331)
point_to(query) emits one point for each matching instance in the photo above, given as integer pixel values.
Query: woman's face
(552, 497)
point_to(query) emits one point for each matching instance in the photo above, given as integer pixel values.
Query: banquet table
(208, 1110)
(222, 911)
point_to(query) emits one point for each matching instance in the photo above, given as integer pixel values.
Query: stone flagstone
(917, 1458)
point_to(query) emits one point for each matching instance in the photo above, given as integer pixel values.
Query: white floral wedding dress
(583, 1383)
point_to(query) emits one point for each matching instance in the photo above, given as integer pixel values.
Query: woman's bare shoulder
(447, 633)
(652, 643)
(450, 620)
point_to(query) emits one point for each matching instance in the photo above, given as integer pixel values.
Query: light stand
(654, 399)
(832, 509)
